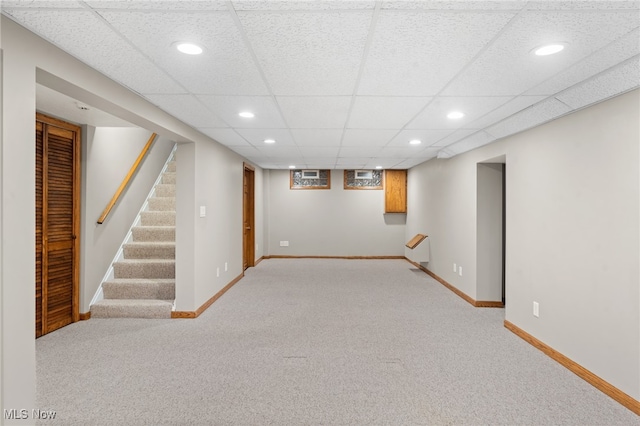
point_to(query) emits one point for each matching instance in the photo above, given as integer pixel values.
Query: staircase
(143, 284)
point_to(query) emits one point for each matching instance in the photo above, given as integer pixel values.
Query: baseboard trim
(85, 316)
(201, 309)
(463, 295)
(597, 382)
(282, 256)
(259, 260)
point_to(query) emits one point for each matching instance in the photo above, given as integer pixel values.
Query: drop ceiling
(347, 84)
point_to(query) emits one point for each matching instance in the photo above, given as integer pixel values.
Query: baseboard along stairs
(143, 284)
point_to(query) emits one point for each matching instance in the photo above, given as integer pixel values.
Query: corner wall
(332, 222)
(572, 232)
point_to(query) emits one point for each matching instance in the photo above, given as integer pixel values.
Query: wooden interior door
(248, 215)
(57, 223)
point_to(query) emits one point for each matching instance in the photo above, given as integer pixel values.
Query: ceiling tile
(428, 137)
(416, 54)
(583, 4)
(434, 116)
(618, 51)
(385, 163)
(9, 4)
(158, 4)
(371, 112)
(360, 151)
(321, 163)
(319, 151)
(308, 53)
(257, 136)
(617, 80)
(367, 137)
(508, 67)
(509, 108)
(454, 5)
(285, 151)
(224, 68)
(454, 137)
(188, 109)
(530, 117)
(86, 37)
(248, 151)
(302, 5)
(266, 113)
(228, 137)
(404, 152)
(351, 163)
(315, 112)
(317, 137)
(473, 141)
(407, 164)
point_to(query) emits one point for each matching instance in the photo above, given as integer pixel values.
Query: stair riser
(151, 312)
(153, 234)
(169, 177)
(162, 204)
(149, 252)
(165, 190)
(165, 269)
(157, 218)
(171, 166)
(159, 291)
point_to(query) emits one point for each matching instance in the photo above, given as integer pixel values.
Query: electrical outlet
(284, 243)
(226, 267)
(460, 270)
(455, 268)
(536, 309)
(217, 272)
(203, 211)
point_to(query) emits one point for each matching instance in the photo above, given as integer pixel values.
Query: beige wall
(334, 222)
(572, 236)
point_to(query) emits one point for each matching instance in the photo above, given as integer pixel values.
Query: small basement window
(310, 179)
(363, 179)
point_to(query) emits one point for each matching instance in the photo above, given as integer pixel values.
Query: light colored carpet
(315, 342)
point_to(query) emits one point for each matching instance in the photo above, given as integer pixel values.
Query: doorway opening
(248, 218)
(491, 230)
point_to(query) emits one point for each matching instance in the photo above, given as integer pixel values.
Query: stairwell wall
(107, 156)
(27, 60)
(572, 232)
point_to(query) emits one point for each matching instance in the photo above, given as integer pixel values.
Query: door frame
(248, 217)
(77, 172)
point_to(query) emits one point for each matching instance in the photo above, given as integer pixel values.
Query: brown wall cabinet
(395, 191)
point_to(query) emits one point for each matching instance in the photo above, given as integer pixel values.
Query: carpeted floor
(315, 342)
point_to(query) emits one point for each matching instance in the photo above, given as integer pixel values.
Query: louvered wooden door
(57, 223)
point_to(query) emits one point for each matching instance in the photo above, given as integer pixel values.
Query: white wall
(107, 155)
(334, 222)
(572, 237)
(28, 60)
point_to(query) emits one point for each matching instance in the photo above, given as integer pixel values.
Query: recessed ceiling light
(292, 167)
(548, 49)
(269, 141)
(454, 115)
(188, 48)
(378, 167)
(246, 114)
(415, 141)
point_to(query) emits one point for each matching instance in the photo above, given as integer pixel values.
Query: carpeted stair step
(162, 203)
(171, 166)
(160, 289)
(150, 250)
(158, 218)
(125, 308)
(145, 268)
(153, 233)
(165, 190)
(169, 177)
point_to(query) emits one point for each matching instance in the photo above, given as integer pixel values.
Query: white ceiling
(347, 84)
